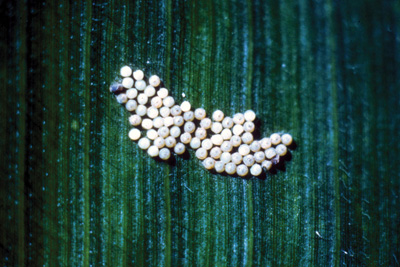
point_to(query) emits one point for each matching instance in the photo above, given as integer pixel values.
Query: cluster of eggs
(225, 144)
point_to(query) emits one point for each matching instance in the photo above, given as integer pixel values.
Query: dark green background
(75, 191)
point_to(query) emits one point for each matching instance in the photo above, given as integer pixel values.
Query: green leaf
(75, 191)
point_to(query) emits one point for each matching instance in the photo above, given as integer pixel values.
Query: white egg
(153, 151)
(144, 143)
(249, 115)
(152, 134)
(127, 82)
(131, 93)
(134, 134)
(163, 93)
(218, 115)
(287, 139)
(164, 153)
(179, 148)
(201, 153)
(138, 75)
(126, 71)
(209, 163)
(154, 81)
(200, 113)
(185, 106)
(255, 170)
(140, 85)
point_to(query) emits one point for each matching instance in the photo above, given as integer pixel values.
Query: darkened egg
(116, 87)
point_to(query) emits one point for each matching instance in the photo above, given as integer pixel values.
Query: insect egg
(249, 126)
(287, 139)
(248, 160)
(164, 153)
(238, 118)
(226, 134)
(281, 150)
(142, 99)
(227, 122)
(219, 166)
(140, 85)
(249, 115)
(152, 112)
(236, 158)
(165, 112)
(205, 123)
(247, 138)
(163, 132)
(178, 120)
(200, 113)
(255, 146)
(154, 80)
(237, 129)
(131, 93)
(158, 122)
(176, 110)
(270, 153)
(175, 131)
(195, 143)
(185, 106)
(218, 115)
(255, 170)
(168, 121)
(159, 142)
(144, 143)
(188, 116)
(236, 141)
(242, 170)
(201, 153)
(230, 168)
(216, 127)
(170, 141)
(156, 102)
(126, 71)
(215, 152)
(209, 163)
(141, 110)
(169, 101)
(134, 134)
(226, 146)
(189, 127)
(147, 124)
(122, 98)
(266, 164)
(217, 139)
(265, 143)
(186, 138)
(138, 75)
(131, 105)
(150, 91)
(127, 82)
(163, 93)
(244, 149)
(226, 157)
(179, 148)
(152, 134)
(259, 156)
(201, 133)
(207, 144)
(153, 151)
(135, 120)
(275, 139)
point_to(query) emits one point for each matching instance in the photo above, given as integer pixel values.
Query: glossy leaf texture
(75, 191)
